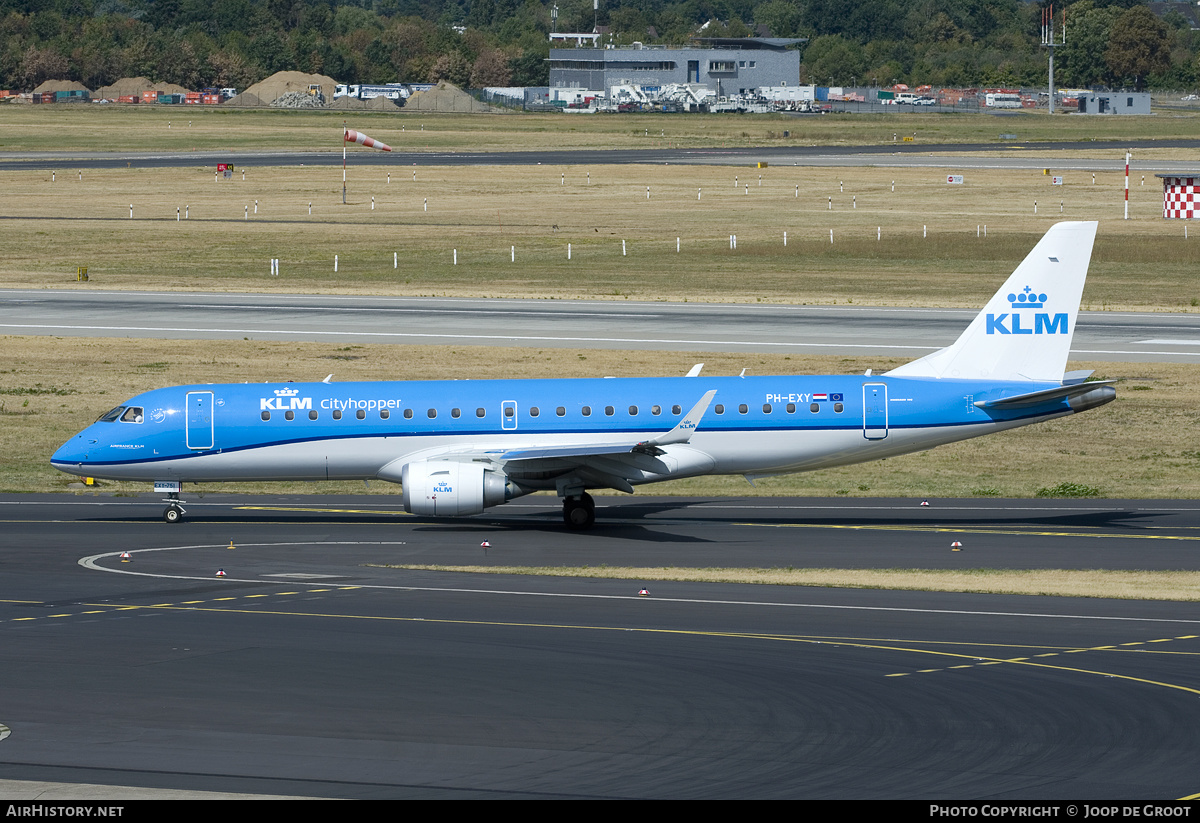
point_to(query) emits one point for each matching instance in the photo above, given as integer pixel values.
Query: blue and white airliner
(459, 447)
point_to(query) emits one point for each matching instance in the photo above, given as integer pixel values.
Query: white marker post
(372, 204)
(647, 192)
(831, 204)
(335, 262)
(426, 204)
(622, 248)
(785, 239)
(677, 240)
(130, 211)
(177, 214)
(395, 260)
(512, 251)
(831, 237)
(456, 257)
(1126, 185)
(568, 251)
(256, 207)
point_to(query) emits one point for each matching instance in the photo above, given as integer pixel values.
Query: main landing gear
(579, 512)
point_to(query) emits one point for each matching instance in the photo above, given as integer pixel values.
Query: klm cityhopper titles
(459, 447)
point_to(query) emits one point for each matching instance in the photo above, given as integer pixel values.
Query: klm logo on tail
(1043, 322)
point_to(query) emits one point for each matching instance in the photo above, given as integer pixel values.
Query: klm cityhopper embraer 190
(458, 447)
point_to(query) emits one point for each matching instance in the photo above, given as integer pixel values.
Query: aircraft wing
(681, 433)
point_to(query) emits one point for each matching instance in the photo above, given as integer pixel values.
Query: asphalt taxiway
(342, 319)
(311, 668)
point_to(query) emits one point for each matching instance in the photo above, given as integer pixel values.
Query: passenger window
(766, 408)
(837, 407)
(633, 411)
(289, 415)
(656, 409)
(266, 415)
(587, 411)
(408, 414)
(814, 408)
(455, 413)
(432, 413)
(534, 411)
(360, 414)
(719, 408)
(677, 410)
(560, 411)
(337, 414)
(312, 415)
(509, 411)
(743, 408)
(609, 410)
(791, 408)
(384, 414)
(479, 412)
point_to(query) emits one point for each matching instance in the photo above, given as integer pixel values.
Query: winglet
(695, 370)
(683, 430)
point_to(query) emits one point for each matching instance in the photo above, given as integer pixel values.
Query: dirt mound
(349, 104)
(168, 88)
(245, 100)
(282, 82)
(125, 87)
(445, 97)
(380, 104)
(60, 85)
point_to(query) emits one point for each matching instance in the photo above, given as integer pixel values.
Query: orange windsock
(352, 136)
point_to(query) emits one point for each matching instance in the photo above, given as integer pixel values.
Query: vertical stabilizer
(1025, 331)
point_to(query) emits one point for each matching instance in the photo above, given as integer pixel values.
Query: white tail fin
(1025, 331)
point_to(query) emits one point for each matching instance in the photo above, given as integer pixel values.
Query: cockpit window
(133, 414)
(110, 415)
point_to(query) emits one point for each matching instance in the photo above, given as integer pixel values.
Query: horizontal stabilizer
(1103, 389)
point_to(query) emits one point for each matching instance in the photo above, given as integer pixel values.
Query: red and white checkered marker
(220, 572)
(924, 502)
(126, 557)
(643, 592)
(955, 546)
(485, 545)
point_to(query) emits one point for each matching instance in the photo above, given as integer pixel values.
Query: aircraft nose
(73, 454)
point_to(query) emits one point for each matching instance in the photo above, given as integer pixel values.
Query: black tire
(579, 512)
(172, 514)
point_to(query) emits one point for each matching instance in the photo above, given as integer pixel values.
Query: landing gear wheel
(172, 514)
(579, 512)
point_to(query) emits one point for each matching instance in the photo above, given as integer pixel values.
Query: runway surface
(899, 332)
(312, 669)
(1105, 156)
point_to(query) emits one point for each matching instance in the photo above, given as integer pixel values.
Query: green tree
(1138, 46)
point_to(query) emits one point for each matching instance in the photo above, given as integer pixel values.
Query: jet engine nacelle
(448, 489)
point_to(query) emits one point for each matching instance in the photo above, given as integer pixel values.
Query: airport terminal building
(726, 66)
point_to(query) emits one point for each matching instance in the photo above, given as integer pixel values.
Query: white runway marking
(92, 562)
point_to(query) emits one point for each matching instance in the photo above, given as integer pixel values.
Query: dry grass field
(1111, 584)
(198, 128)
(923, 243)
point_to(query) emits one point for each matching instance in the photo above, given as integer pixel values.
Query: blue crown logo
(1027, 299)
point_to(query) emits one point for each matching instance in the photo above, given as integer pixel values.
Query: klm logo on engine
(283, 400)
(1019, 322)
